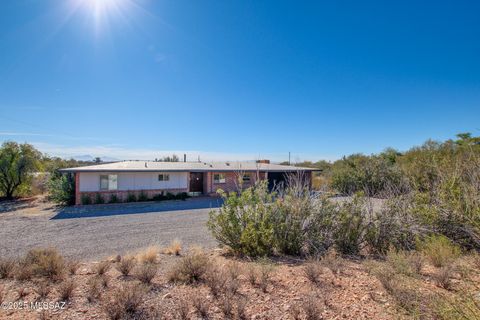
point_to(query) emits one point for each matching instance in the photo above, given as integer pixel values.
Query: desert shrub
(131, 197)
(1, 295)
(42, 289)
(439, 250)
(175, 248)
(45, 262)
(61, 188)
(142, 196)
(464, 305)
(99, 199)
(86, 199)
(312, 271)
(244, 222)
(149, 254)
(66, 290)
(146, 272)
(191, 268)
(23, 272)
(125, 301)
(104, 280)
(126, 265)
(350, 226)
(7, 267)
(113, 198)
(102, 267)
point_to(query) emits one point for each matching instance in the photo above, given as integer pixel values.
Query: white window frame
(220, 179)
(165, 177)
(112, 182)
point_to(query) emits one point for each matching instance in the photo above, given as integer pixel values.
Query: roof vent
(227, 163)
(146, 165)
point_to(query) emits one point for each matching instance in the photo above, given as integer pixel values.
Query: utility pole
(288, 157)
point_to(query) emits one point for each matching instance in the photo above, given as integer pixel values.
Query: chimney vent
(184, 157)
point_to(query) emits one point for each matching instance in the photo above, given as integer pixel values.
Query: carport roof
(152, 166)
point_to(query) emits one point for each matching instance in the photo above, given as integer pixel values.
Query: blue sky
(237, 79)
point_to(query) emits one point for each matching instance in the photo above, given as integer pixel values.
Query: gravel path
(96, 232)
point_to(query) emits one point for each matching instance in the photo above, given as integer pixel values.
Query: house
(151, 178)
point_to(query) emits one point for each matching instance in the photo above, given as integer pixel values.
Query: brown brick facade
(231, 181)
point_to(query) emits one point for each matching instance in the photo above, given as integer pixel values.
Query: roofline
(185, 170)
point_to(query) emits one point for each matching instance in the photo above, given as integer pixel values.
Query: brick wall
(231, 181)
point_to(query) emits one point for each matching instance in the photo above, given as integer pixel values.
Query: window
(108, 182)
(219, 178)
(163, 177)
(246, 178)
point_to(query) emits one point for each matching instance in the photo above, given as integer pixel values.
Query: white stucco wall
(90, 181)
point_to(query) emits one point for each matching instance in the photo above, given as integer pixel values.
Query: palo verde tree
(17, 164)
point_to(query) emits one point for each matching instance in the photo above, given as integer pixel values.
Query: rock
(167, 296)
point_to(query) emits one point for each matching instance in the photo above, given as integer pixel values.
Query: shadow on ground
(104, 210)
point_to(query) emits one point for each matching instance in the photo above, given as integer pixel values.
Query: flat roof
(153, 166)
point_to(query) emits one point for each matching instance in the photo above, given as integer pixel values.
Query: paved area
(95, 232)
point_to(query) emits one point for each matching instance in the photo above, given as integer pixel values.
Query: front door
(196, 181)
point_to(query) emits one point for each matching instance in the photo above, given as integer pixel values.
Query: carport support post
(77, 188)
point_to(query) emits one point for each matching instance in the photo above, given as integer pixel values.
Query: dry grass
(191, 268)
(174, 248)
(182, 309)
(406, 263)
(7, 267)
(443, 276)
(45, 262)
(102, 267)
(126, 265)
(94, 289)
(311, 308)
(125, 302)
(1, 295)
(200, 305)
(462, 306)
(72, 266)
(215, 279)
(312, 271)
(439, 250)
(241, 307)
(334, 263)
(21, 293)
(66, 290)
(42, 290)
(146, 272)
(251, 273)
(23, 272)
(265, 274)
(148, 255)
(226, 305)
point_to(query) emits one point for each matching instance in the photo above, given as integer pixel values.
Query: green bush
(159, 197)
(99, 199)
(439, 250)
(170, 196)
(143, 196)
(86, 199)
(181, 196)
(244, 222)
(113, 199)
(349, 233)
(61, 189)
(131, 197)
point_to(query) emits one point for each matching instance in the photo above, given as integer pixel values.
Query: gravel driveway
(95, 232)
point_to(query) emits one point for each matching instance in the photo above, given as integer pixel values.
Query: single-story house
(152, 178)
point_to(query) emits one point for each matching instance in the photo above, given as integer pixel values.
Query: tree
(17, 164)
